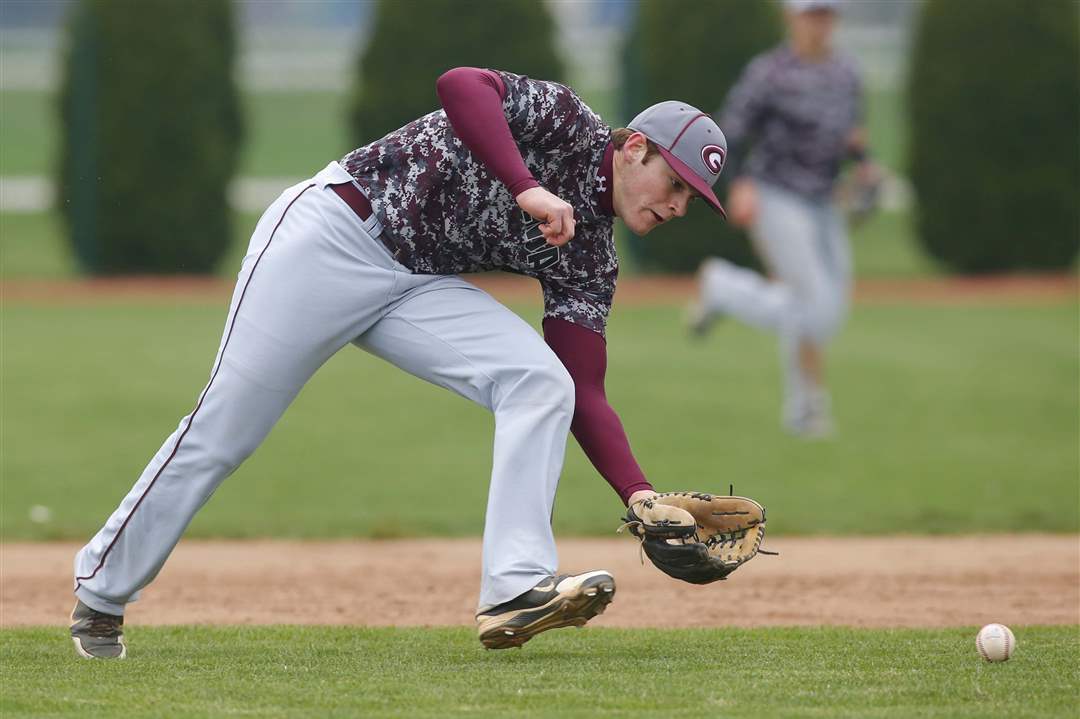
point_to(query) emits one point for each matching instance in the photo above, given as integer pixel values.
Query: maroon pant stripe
(221, 358)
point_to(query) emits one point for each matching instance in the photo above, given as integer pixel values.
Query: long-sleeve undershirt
(596, 427)
(472, 99)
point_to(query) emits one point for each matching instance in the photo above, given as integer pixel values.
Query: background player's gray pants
(314, 280)
(804, 244)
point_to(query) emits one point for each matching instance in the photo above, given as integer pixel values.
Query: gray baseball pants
(314, 280)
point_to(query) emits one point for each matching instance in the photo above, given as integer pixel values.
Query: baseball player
(802, 104)
(511, 174)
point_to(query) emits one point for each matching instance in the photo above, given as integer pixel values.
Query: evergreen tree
(415, 41)
(994, 98)
(151, 132)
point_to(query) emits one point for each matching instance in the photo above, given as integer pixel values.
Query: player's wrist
(639, 495)
(522, 186)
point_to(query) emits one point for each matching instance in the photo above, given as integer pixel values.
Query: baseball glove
(697, 537)
(859, 194)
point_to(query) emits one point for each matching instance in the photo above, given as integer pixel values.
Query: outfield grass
(32, 245)
(29, 132)
(885, 245)
(887, 126)
(347, 671)
(952, 419)
(288, 134)
(293, 133)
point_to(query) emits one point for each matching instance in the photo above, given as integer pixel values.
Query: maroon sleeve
(472, 99)
(596, 426)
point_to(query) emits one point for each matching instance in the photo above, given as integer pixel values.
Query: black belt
(354, 199)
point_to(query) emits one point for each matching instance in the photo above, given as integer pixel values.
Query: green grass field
(289, 134)
(32, 246)
(348, 671)
(292, 134)
(952, 419)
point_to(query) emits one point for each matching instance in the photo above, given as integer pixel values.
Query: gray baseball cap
(690, 141)
(808, 5)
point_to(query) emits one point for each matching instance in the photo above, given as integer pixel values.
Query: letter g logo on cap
(713, 157)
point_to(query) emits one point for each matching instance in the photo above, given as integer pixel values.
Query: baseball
(995, 642)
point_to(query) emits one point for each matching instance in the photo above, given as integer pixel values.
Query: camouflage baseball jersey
(797, 115)
(444, 212)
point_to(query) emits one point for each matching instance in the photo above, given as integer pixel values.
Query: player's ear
(635, 147)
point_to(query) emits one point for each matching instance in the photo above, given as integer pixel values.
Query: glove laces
(638, 535)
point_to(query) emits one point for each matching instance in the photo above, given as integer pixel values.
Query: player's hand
(863, 192)
(869, 173)
(556, 217)
(742, 203)
(640, 495)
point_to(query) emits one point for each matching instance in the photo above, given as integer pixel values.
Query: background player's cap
(808, 5)
(690, 141)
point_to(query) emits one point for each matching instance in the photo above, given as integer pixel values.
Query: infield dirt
(851, 581)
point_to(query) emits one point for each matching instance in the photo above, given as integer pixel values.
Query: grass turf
(290, 134)
(285, 130)
(32, 246)
(951, 419)
(347, 671)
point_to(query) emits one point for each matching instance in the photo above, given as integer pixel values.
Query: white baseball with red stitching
(995, 642)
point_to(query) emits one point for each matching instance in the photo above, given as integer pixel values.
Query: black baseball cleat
(97, 635)
(568, 600)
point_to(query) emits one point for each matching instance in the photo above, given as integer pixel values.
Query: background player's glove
(696, 537)
(859, 193)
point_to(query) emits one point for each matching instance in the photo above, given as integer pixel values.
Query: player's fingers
(553, 228)
(556, 239)
(566, 227)
(555, 222)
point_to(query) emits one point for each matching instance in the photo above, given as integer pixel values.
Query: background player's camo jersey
(444, 212)
(797, 115)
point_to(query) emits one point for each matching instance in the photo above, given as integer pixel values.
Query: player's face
(648, 193)
(812, 30)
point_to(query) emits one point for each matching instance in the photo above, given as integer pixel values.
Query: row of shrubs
(152, 121)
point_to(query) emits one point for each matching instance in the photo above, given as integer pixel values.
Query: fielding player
(802, 103)
(512, 174)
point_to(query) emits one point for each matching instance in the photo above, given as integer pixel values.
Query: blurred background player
(792, 119)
